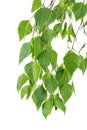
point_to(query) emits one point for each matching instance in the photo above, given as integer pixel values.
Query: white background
(17, 114)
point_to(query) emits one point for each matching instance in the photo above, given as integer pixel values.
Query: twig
(76, 35)
(52, 3)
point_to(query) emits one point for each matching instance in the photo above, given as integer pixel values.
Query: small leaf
(24, 29)
(83, 46)
(54, 60)
(57, 28)
(47, 108)
(33, 71)
(72, 61)
(64, 31)
(63, 76)
(51, 83)
(79, 10)
(39, 96)
(44, 59)
(26, 90)
(38, 46)
(82, 64)
(36, 4)
(71, 30)
(66, 92)
(47, 36)
(21, 81)
(25, 51)
(44, 17)
(59, 11)
(85, 24)
(59, 103)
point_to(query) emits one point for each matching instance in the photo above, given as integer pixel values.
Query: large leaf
(24, 29)
(79, 10)
(59, 103)
(21, 81)
(44, 16)
(39, 96)
(72, 61)
(47, 108)
(63, 76)
(25, 51)
(33, 71)
(51, 83)
(44, 59)
(38, 46)
(66, 92)
(36, 4)
(26, 91)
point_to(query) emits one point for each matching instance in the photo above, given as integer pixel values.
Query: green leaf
(36, 4)
(47, 36)
(66, 92)
(86, 62)
(83, 46)
(44, 17)
(21, 81)
(63, 76)
(38, 46)
(72, 61)
(39, 96)
(44, 59)
(33, 71)
(54, 60)
(51, 83)
(79, 10)
(26, 90)
(85, 24)
(82, 64)
(71, 30)
(24, 29)
(59, 103)
(47, 108)
(25, 51)
(57, 28)
(64, 31)
(59, 11)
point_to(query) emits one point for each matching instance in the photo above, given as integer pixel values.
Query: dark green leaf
(79, 10)
(72, 61)
(66, 92)
(44, 59)
(82, 64)
(57, 28)
(36, 4)
(44, 17)
(33, 71)
(47, 108)
(39, 96)
(64, 31)
(38, 46)
(24, 29)
(25, 51)
(63, 76)
(26, 90)
(59, 103)
(51, 83)
(21, 81)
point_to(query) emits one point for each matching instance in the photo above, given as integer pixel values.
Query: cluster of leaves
(50, 86)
